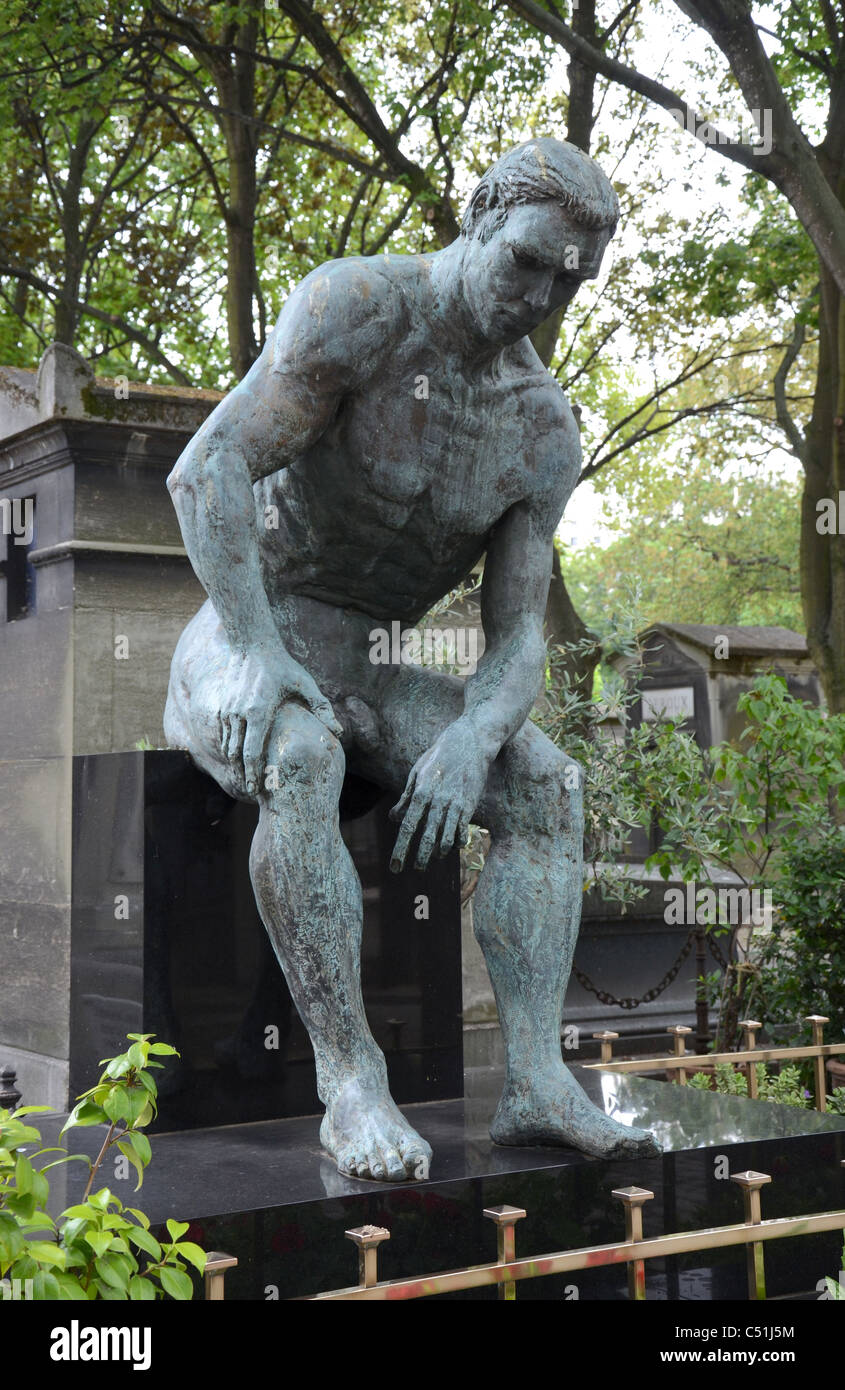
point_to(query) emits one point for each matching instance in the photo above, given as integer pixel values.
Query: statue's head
(536, 226)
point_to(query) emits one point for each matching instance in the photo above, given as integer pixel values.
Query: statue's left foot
(551, 1108)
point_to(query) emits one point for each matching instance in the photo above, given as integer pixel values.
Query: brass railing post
(606, 1039)
(368, 1239)
(506, 1218)
(679, 1032)
(749, 1028)
(216, 1265)
(818, 1021)
(751, 1182)
(634, 1198)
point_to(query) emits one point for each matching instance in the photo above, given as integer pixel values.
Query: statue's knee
(303, 756)
(552, 796)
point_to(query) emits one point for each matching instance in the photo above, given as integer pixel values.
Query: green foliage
(765, 807)
(727, 1081)
(801, 964)
(779, 1088)
(97, 1248)
(836, 1101)
(699, 543)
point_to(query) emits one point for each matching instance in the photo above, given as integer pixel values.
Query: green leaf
(103, 1198)
(99, 1241)
(117, 1066)
(81, 1209)
(69, 1287)
(117, 1105)
(24, 1173)
(128, 1150)
(109, 1292)
(176, 1228)
(145, 1241)
(113, 1271)
(175, 1282)
(85, 1113)
(73, 1229)
(40, 1188)
(142, 1147)
(141, 1290)
(138, 1101)
(45, 1287)
(20, 1204)
(68, 1158)
(193, 1253)
(46, 1252)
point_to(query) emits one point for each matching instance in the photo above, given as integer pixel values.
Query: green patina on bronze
(397, 427)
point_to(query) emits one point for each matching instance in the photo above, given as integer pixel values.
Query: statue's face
(530, 267)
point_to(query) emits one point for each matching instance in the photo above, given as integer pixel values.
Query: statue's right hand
(257, 683)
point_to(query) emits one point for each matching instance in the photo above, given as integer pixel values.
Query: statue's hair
(542, 171)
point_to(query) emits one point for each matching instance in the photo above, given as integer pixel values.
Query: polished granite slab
(166, 939)
(268, 1194)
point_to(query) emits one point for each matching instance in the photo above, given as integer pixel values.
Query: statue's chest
(431, 442)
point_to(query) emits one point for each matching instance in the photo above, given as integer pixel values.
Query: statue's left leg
(526, 909)
(526, 914)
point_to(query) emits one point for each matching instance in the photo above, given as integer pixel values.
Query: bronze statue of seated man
(386, 496)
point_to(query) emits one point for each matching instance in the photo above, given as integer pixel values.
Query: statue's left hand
(443, 789)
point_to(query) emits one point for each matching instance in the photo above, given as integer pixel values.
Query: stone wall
(107, 563)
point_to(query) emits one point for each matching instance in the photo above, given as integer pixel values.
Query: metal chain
(716, 951)
(630, 1003)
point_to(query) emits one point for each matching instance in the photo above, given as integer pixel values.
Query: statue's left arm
(447, 782)
(517, 570)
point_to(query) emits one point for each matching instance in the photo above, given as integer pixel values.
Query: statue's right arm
(328, 339)
(325, 343)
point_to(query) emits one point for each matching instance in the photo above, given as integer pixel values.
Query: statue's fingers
(398, 811)
(326, 715)
(450, 826)
(254, 744)
(436, 814)
(237, 729)
(312, 696)
(463, 829)
(407, 830)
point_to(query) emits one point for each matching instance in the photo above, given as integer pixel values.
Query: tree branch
(113, 320)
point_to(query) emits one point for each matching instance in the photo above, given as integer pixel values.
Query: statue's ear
(483, 199)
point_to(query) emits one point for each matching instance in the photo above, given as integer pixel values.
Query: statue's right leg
(309, 898)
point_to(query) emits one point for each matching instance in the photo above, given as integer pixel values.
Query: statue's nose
(537, 297)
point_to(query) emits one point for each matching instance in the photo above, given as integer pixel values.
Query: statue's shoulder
(553, 442)
(549, 403)
(343, 317)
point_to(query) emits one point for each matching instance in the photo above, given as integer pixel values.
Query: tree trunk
(66, 314)
(563, 626)
(241, 270)
(235, 81)
(823, 555)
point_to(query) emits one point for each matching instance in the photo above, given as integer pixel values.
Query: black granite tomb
(166, 939)
(266, 1194)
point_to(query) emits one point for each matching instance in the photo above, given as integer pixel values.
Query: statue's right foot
(369, 1137)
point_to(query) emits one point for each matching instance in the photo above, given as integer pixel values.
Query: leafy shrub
(781, 1088)
(98, 1248)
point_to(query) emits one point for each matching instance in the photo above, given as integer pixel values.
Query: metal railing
(634, 1251)
(683, 1062)
(216, 1265)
